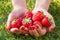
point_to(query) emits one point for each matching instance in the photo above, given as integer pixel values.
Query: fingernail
(51, 29)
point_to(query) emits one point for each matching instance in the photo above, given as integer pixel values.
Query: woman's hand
(43, 5)
(19, 7)
(50, 29)
(15, 14)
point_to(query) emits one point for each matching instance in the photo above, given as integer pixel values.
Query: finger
(31, 32)
(21, 31)
(10, 18)
(14, 30)
(8, 26)
(51, 28)
(8, 23)
(41, 31)
(25, 32)
(35, 33)
(52, 25)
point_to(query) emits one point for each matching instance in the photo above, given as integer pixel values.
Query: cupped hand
(43, 31)
(16, 13)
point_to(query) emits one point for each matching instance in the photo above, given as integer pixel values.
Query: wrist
(18, 3)
(43, 4)
(20, 8)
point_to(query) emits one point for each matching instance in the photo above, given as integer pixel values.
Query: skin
(43, 5)
(19, 5)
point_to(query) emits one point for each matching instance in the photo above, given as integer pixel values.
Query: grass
(5, 9)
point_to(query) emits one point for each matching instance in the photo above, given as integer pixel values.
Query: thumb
(51, 28)
(10, 18)
(8, 25)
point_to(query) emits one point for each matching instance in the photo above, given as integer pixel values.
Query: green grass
(5, 9)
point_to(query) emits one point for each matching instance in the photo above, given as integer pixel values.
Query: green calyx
(50, 20)
(26, 20)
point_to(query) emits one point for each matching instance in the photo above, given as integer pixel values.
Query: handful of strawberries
(29, 21)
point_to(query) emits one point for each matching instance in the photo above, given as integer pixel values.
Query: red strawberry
(26, 22)
(38, 16)
(28, 14)
(14, 30)
(22, 27)
(25, 29)
(13, 26)
(45, 22)
(32, 27)
(37, 24)
(16, 24)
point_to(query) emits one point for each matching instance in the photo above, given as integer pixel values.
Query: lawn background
(5, 9)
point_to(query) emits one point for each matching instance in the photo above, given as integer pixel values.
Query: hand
(43, 31)
(19, 7)
(38, 32)
(14, 14)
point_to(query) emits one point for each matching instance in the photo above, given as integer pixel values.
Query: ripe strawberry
(14, 30)
(9, 27)
(31, 27)
(22, 27)
(16, 24)
(37, 24)
(45, 22)
(25, 29)
(26, 22)
(13, 24)
(28, 14)
(38, 16)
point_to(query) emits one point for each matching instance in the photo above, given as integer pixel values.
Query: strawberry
(45, 22)
(32, 27)
(25, 29)
(28, 14)
(13, 25)
(38, 16)
(22, 27)
(26, 22)
(16, 24)
(9, 27)
(14, 30)
(37, 24)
